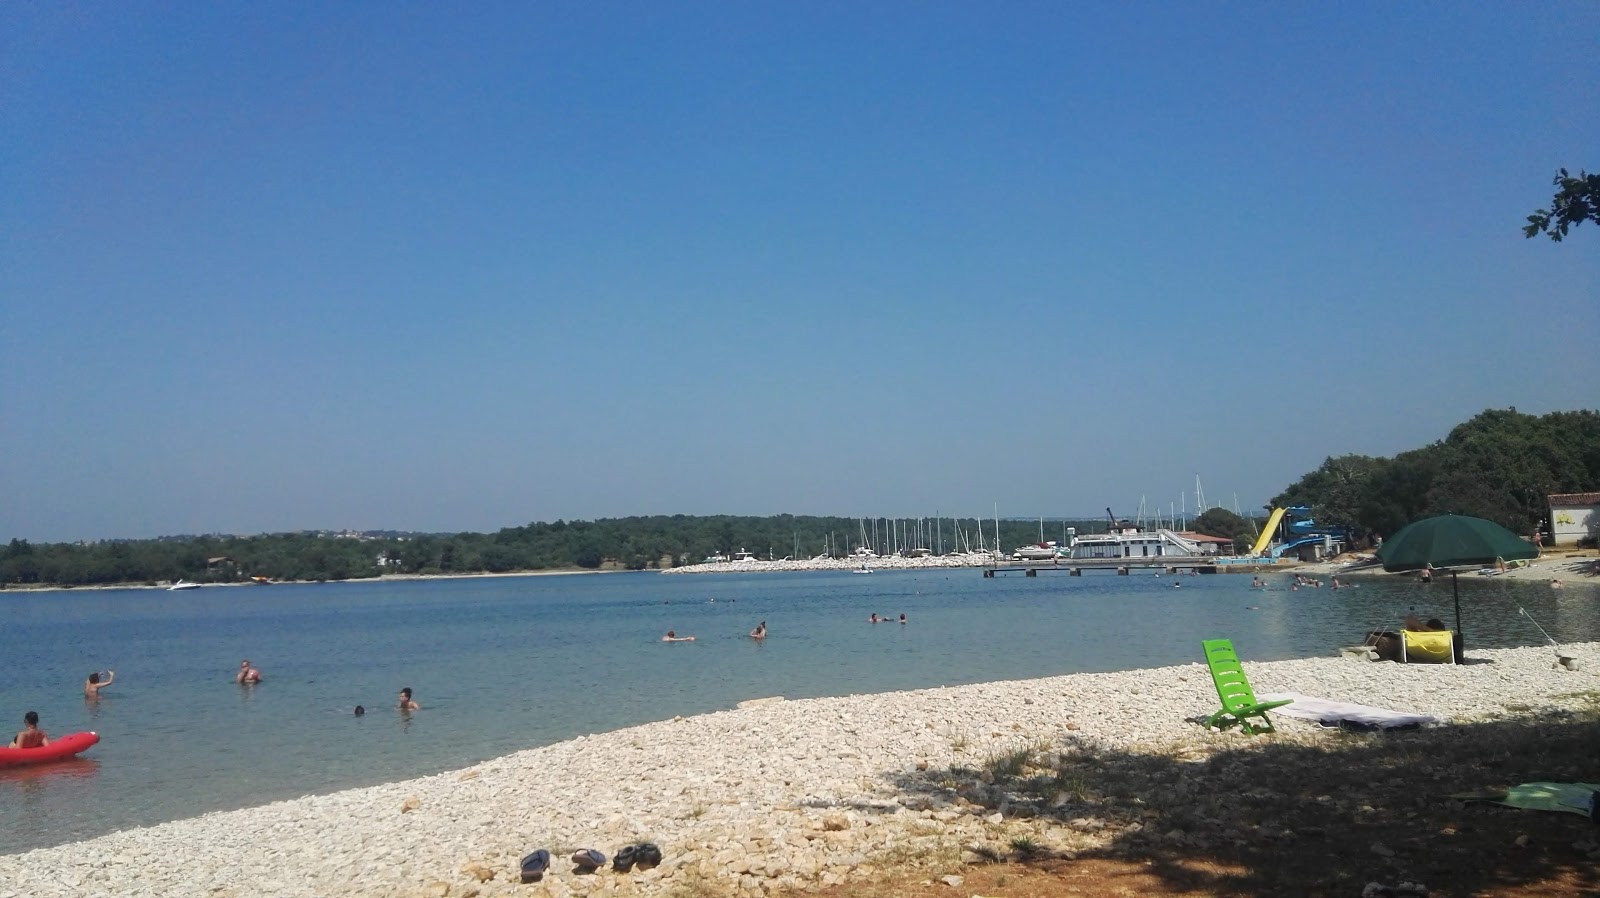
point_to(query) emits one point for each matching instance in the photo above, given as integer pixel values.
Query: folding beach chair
(1239, 702)
(1427, 646)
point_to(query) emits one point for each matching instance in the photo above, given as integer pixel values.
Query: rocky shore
(782, 794)
(875, 562)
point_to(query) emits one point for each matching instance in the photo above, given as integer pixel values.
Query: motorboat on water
(1045, 551)
(181, 585)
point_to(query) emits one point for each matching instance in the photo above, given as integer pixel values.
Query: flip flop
(534, 865)
(647, 855)
(588, 860)
(625, 858)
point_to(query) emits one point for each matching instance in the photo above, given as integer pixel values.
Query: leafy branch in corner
(1577, 200)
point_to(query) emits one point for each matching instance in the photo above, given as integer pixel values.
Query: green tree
(1224, 523)
(1576, 201)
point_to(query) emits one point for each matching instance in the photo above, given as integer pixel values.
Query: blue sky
(283, 266)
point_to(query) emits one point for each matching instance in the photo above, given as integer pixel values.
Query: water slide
(1314, 539)
(1267, 531)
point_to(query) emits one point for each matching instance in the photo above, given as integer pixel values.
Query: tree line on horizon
(632, 543)
(1500, 465)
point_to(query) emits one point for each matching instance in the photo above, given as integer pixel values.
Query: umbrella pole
(1455, 586)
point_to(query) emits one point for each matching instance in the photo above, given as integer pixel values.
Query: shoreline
(382, 578)
(772, 794)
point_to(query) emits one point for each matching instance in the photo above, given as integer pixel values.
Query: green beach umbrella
(1452, 541)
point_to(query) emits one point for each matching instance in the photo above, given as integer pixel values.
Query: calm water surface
(502, 664)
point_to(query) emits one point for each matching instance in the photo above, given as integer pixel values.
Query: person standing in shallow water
(407, 703)
(93, 685)
(760, 632)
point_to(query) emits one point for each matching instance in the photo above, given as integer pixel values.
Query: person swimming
(93, 685)
(672, 636)
(874, 618)
(407, 703)
(247, 674)
(760, 632)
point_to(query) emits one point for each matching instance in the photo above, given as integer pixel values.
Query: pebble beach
(773, 794)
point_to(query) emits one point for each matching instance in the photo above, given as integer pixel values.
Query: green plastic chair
(1239, 703)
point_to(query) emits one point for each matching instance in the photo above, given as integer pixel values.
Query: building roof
(1575, 498)
(1202, 538)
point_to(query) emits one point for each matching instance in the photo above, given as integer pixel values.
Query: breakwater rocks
(788, 793)
(876, 562)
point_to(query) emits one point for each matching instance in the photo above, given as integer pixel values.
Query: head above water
(405, 692)
(360, 710)
(671, 634)
(31, 718)
(94, 677)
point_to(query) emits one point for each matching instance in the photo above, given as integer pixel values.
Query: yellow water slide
(1267, 531)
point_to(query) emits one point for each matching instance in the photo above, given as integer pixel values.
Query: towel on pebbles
(1331, 713)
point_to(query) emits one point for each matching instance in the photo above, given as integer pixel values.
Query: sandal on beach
(534, 865)
(647, 855)
(587, 860)
(625, 858)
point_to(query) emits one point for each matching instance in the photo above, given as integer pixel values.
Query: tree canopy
(1501, 465)
(1577, 200)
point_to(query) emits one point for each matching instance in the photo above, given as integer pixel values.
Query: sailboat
(1040, 551)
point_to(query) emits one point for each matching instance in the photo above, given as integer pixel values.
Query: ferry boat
(1128, 542)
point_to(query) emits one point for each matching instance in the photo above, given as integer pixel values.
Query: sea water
(507, 663)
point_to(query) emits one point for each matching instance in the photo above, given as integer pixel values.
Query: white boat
(862, 569)
(182, 584)
(1128, 542)
(1037, 552)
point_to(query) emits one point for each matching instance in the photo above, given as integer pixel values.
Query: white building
(1574, 518)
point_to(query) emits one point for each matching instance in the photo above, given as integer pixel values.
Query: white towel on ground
(1331, 713)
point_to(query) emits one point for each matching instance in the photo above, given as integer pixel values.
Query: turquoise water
(502, 664)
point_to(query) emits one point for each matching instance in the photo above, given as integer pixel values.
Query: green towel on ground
(1574, 798)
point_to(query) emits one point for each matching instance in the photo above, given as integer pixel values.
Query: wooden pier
(1074, 567)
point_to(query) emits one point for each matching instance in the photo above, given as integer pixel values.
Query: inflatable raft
(65, 747)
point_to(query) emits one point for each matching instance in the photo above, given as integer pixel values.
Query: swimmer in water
(760, 632)
(672, 636)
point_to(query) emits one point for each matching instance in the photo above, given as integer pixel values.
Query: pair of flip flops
(643, 855)
(587, 860)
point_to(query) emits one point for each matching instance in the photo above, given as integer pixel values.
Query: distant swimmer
(92, 686)
(247, 674)
(760, 632)
(874, 618)
(1256, 582)
(672, 636)
(902, 617)
(407, 703)
(360, 711)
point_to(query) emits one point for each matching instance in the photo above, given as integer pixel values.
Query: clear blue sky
(282, 266)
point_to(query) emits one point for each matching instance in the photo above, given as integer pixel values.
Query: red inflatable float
(65, 747)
